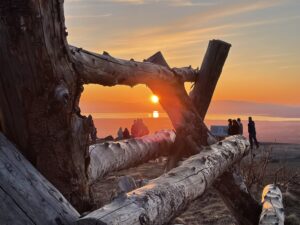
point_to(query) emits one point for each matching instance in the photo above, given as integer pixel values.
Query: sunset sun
(154, 99)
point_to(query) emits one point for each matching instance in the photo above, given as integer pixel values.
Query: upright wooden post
(208, 76)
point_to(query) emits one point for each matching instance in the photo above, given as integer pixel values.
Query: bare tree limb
(109, 71)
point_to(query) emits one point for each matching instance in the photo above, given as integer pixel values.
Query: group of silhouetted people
(138, 129)
(123, 134)
(236, 127)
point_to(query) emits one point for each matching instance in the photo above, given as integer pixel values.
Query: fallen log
(26, 196)
(272, 209)
(165, 197)
(113, 156)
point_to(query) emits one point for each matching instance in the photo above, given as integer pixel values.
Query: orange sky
(262, 66)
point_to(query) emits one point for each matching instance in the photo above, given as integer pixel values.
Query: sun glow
(155, 114)
(154, 99)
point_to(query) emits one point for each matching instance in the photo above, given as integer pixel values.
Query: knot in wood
(144, 219)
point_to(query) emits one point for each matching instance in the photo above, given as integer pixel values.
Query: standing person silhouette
(229, 126)
(252, 133)
(240, 126)
(235, 128)
(120, 133)
(126, 134)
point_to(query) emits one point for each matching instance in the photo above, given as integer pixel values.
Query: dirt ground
(209, 208)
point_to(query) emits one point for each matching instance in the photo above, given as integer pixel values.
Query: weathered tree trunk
(167, 196)
(113, 156)
(26, 196)
(39, 94)
(272, 209)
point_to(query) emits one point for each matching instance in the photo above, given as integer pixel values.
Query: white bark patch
(273, 211)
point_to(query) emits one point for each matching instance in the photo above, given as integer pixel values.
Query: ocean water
(269, 129)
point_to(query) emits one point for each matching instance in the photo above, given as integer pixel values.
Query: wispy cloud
(88, 16)
(176, 3)
(190, 32)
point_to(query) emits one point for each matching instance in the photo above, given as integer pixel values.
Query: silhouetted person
(252, 133)
(126, 133)
(241, 129)
(235, 128)
(229, 126)
(120, 134)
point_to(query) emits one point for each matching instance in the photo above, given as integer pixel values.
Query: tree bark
(113, 156)
(26, 196)
(39, 94)
(272, 209)
(165, 197)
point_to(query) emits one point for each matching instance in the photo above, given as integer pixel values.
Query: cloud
(176, 3)
(253, 108)
(88, 16)
(146, 41)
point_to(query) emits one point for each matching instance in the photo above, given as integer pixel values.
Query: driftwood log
(165, 197)
(272, 209)
(113, 156)
(26, 196)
